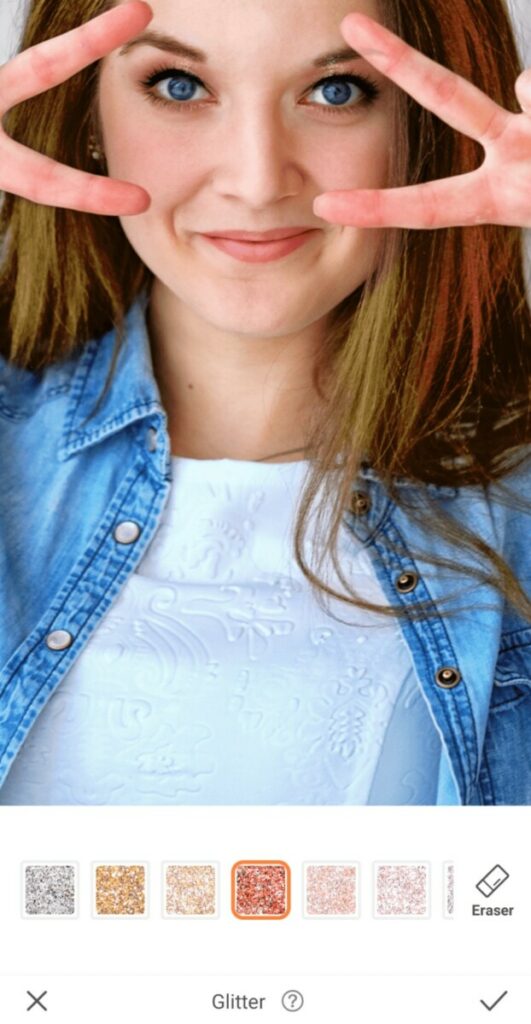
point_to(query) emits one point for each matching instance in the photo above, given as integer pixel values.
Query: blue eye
(337, 90)
(181, 85)
(180, 88)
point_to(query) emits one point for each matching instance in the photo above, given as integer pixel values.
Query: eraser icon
(492, 880)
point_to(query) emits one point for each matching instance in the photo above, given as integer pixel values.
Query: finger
(447, 95)
(47, 64)
(461, 201)
(45, 181)
(523, 90)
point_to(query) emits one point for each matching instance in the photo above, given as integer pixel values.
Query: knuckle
(91, 191)
(87, 40)
(43, 65)
(44, 184)
(8, 78)
(399, 54)
(495, 127)
(429, 206)
(445, 86)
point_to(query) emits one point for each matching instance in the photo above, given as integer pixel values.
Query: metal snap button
(152, 439)
(127, 532)
(407, 582)
(360, 503)
(59, 640)
(447, 678)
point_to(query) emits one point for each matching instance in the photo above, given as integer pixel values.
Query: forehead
(297, 30)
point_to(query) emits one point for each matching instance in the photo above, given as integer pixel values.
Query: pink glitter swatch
(331, 890)
(401, 890)
(261, 890)
(449, 889)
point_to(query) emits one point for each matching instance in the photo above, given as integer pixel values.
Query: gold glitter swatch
(120, 889)
(191, 889)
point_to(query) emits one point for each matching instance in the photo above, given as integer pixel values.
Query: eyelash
(369, 88)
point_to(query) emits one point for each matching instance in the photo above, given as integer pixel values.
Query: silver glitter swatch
(50, 890)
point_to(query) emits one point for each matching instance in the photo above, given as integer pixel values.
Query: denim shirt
(73, 489)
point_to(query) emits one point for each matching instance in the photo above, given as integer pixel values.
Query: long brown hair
(427, 365)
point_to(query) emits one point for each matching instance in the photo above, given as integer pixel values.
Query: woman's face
(244, 141)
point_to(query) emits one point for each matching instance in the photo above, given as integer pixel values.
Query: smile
(261, 252)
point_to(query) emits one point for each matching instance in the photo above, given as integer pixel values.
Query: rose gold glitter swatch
(401, 890)
(331, 890)
(121, 890)
(261, 890)
(190, 890)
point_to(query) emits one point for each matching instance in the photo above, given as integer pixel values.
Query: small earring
(94, 149)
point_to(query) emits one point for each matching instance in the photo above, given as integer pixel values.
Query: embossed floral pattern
(217, 678)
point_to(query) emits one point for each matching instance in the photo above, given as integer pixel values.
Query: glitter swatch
(121, 889)
(190, 890)
(331, 890)
(50, 890)
(449, 889)
(261, 889)
(401, 890)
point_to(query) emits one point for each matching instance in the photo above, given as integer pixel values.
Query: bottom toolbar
(200, 999)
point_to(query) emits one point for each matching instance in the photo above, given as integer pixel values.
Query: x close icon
(37, 1001)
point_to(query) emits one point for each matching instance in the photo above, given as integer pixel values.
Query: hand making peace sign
(498, 192)
(37, 177)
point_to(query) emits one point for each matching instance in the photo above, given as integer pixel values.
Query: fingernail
(319, 205)
(372, 53)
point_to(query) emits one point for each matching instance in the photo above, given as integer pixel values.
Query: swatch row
(259, 890)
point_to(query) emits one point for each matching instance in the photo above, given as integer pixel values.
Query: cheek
(355, 256)
(168, 168)
(359, 161)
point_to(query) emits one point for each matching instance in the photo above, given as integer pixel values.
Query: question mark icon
(292, 1000)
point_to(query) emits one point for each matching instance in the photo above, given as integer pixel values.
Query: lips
(258, 236)
(260, 249)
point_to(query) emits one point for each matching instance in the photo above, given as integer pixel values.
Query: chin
(256, 315)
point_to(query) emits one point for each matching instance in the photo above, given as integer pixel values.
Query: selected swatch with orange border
(261, 890)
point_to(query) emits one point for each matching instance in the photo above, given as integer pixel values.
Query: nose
(257, 162)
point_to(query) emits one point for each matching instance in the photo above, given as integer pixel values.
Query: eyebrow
(179, 49)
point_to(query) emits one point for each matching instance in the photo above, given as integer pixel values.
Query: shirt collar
(132, 394)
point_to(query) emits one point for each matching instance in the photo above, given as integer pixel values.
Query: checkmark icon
(498, 1000)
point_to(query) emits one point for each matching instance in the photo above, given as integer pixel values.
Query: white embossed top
(216, 677)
